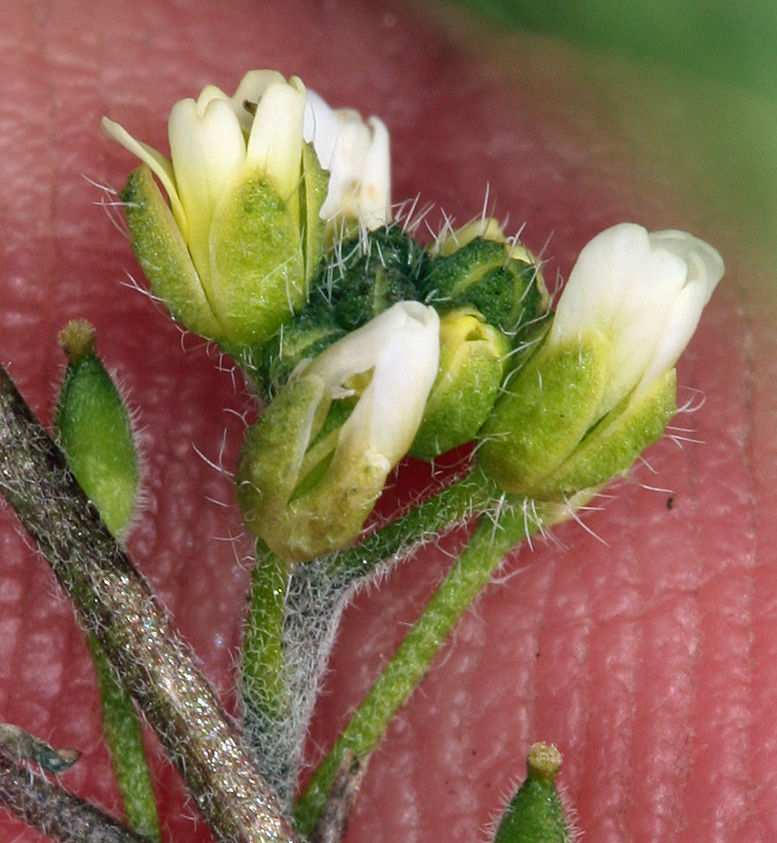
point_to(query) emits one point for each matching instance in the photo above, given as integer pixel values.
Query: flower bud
(358, 157)
(95, 431)
(234, 253)
(369, 274)
(472, 362)
(477, 267)
(302, 338)
(313, 466)
(359, 280)
(601, 387)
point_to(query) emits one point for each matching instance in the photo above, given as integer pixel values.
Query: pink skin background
(642, 642)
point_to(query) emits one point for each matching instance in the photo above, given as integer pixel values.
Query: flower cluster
(278, 244)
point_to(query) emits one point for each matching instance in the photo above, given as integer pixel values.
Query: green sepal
(95, 431)
(257, 261)
(368, 274)
(315, 184)
(299, 516)
(472, 357)
(611, 448)
(164, 256)
(508, 292)
(545, 411)
(535, 814)
(301, 338)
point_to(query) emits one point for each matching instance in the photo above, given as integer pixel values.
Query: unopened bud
(601, 387)
(313, 466)
(472, 361)
(95, 431)
(535, 814)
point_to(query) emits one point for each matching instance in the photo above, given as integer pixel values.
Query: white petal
(358, 158)
(207, 95)
(705, 270)
(206, 151)
(375, 194)
(644, 293)
(705, 265)
(401, 346)
(346, 167)
(251, 89)
(159, 165)
(321, 127)
(595, 289)
(640, 322)
(275, 142)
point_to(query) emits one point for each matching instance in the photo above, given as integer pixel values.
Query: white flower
(602, 386)
(643, 294)
(358, 157)
(215, 141)
(306, 480)
(249, 201)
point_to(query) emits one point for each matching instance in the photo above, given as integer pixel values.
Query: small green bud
(535, 814)
(313, 466)
(472, 361)
(301, 338)
(601, 386)
(369, 274)
(95, 430)
(486, 274)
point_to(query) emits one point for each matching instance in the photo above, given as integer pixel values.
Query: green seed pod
(95, 430)
(472, 361)
(535, 814)
(484, 274)
(368, 274)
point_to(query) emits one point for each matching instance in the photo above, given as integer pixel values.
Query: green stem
(471, 495)
(291, 618)
(264, 676)
(124, 738)
(491, 540)
(263, 685)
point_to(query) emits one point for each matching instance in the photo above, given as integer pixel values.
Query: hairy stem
(118, 607)
(54, 811)
(124, 736)
(470, 495)
(292, 620)
(491, 540)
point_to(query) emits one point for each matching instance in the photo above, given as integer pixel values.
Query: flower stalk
(494, 536)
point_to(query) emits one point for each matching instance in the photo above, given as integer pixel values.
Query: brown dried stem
(54, 811)
(116, 604)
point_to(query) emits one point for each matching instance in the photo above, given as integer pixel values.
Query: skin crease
(642, 643)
